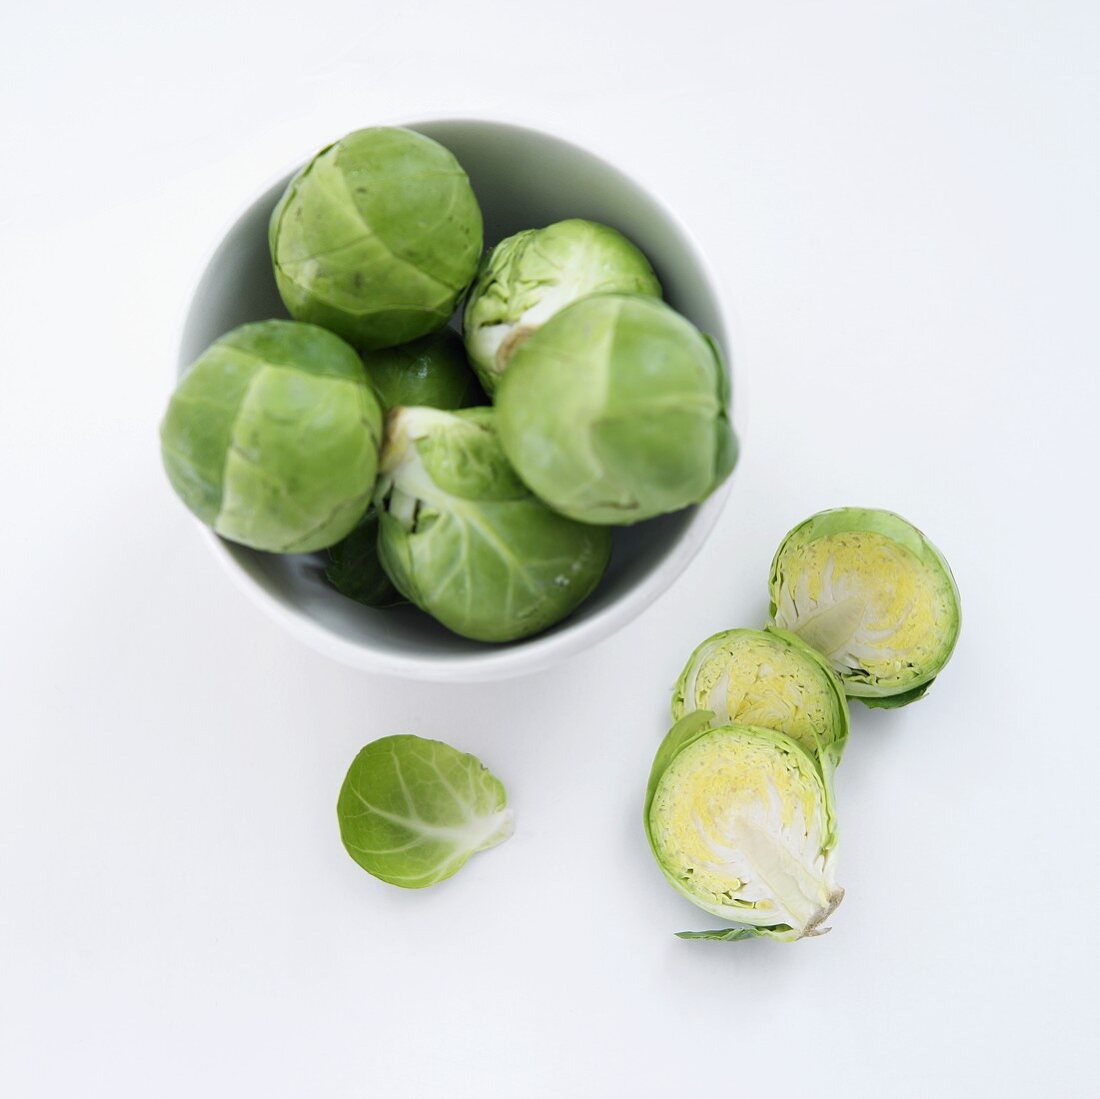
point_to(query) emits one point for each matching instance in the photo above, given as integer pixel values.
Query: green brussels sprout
(771, 679)
(377, 237)
(873, 596)
(272, 437)
(431, 372)
(741, 821)
(615, 411)
(412, 811)
(465, 540)
(529, 277)
(354, 569)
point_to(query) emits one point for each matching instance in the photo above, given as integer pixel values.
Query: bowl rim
(536, 654)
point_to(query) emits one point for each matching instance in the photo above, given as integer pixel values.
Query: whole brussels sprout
(464, 539)
(615, 411)
(354, 569)
(532, 275)
(432, 372)
(867, 590)
(741, 821)
(272, 437)
(377, 237)
(767, 678)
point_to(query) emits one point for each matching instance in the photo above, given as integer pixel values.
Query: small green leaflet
(735, 934)
(893, 702)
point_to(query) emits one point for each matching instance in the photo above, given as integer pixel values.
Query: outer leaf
(781, 934)
(895, 702)
(412, 811)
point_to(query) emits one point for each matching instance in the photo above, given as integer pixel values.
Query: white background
(902, 199)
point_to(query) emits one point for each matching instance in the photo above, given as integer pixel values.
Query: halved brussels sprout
(412, 811)
(615, 411)
(377, 237)
(529, 277)
(740, 819)
(767, 678)
(432, 371)
(463, 538)
(272, 437)
(867, 590)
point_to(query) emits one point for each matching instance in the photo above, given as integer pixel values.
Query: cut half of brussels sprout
(740, 819)
(767, 678)
(868, 591)
(272, 435)
(615, 411)
(465, 540)
(377, 237)
(530, 276)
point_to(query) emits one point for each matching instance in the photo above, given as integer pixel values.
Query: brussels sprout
(874, 596)
(529, 277)
(432, 371)
(741, 821)
(354, 569)
(465, 540)
(615, 411)
(272, 437)
(377, 237)
(767, 678)
(412, 811)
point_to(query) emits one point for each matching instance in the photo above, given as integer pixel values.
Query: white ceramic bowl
(522, 178)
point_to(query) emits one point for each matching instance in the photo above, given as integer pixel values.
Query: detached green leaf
(412, 811)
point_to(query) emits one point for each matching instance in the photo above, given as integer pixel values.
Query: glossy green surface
(432, 371)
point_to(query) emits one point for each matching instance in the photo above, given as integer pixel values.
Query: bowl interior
(522, 179)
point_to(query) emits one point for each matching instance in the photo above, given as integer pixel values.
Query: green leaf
(781, 933)
(412, 811)
(894, 702)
